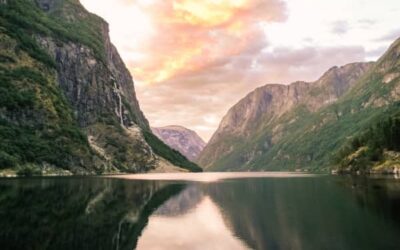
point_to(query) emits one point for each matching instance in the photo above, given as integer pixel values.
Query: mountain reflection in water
(213, 211)
(203, 227)
(77, 213)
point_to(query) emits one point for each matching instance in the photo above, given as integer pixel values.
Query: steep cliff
(263, 115)
(186, 141)
(69, 101)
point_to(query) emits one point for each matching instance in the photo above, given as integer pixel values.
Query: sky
(191, 60)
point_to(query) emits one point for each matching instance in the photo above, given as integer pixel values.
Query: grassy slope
(312, 141)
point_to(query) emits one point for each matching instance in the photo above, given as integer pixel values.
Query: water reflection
(291, 213)
(72, 213)
(203, 227)
(381, 194)
(183, 203)
(224, 212)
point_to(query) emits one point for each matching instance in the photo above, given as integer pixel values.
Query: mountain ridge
(267, 104)
(185, 140)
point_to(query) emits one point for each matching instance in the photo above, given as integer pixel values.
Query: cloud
(190, 35)
(377, 52)
(366, 22)
(285, 65)
(390, 36)
(340, 27)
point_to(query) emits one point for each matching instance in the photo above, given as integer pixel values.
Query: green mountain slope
(376, 149)
(303, 137)
(67, 101)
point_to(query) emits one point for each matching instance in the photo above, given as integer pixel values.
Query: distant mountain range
(304, 125)
(186, 141)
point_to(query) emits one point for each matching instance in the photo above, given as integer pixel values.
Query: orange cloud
(190, 35)
(207, 13)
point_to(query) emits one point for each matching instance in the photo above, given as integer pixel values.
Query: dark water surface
(200, 211)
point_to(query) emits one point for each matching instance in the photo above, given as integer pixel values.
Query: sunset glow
(211, 53)
(207, 13)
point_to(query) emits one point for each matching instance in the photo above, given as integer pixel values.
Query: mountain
(67, 101)
(303, 125)
(257, 122)
(186, 141)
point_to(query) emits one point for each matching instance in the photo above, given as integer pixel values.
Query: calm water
(200, 211)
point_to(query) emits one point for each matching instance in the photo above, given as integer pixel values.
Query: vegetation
(23, 20)
(168, 153)
(311, 142)
(367, 149)
(28, 170)
(36, 123)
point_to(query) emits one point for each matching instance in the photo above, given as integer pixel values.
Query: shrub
(29, 170)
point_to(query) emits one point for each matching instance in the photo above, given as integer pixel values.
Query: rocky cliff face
(186, 141)
(265, 112)
(98, 89)
(94, 84)
(71, 48)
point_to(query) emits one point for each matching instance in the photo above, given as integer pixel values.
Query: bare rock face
(186, 141)
(101, 90)
(95, 88)
(270, 104)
